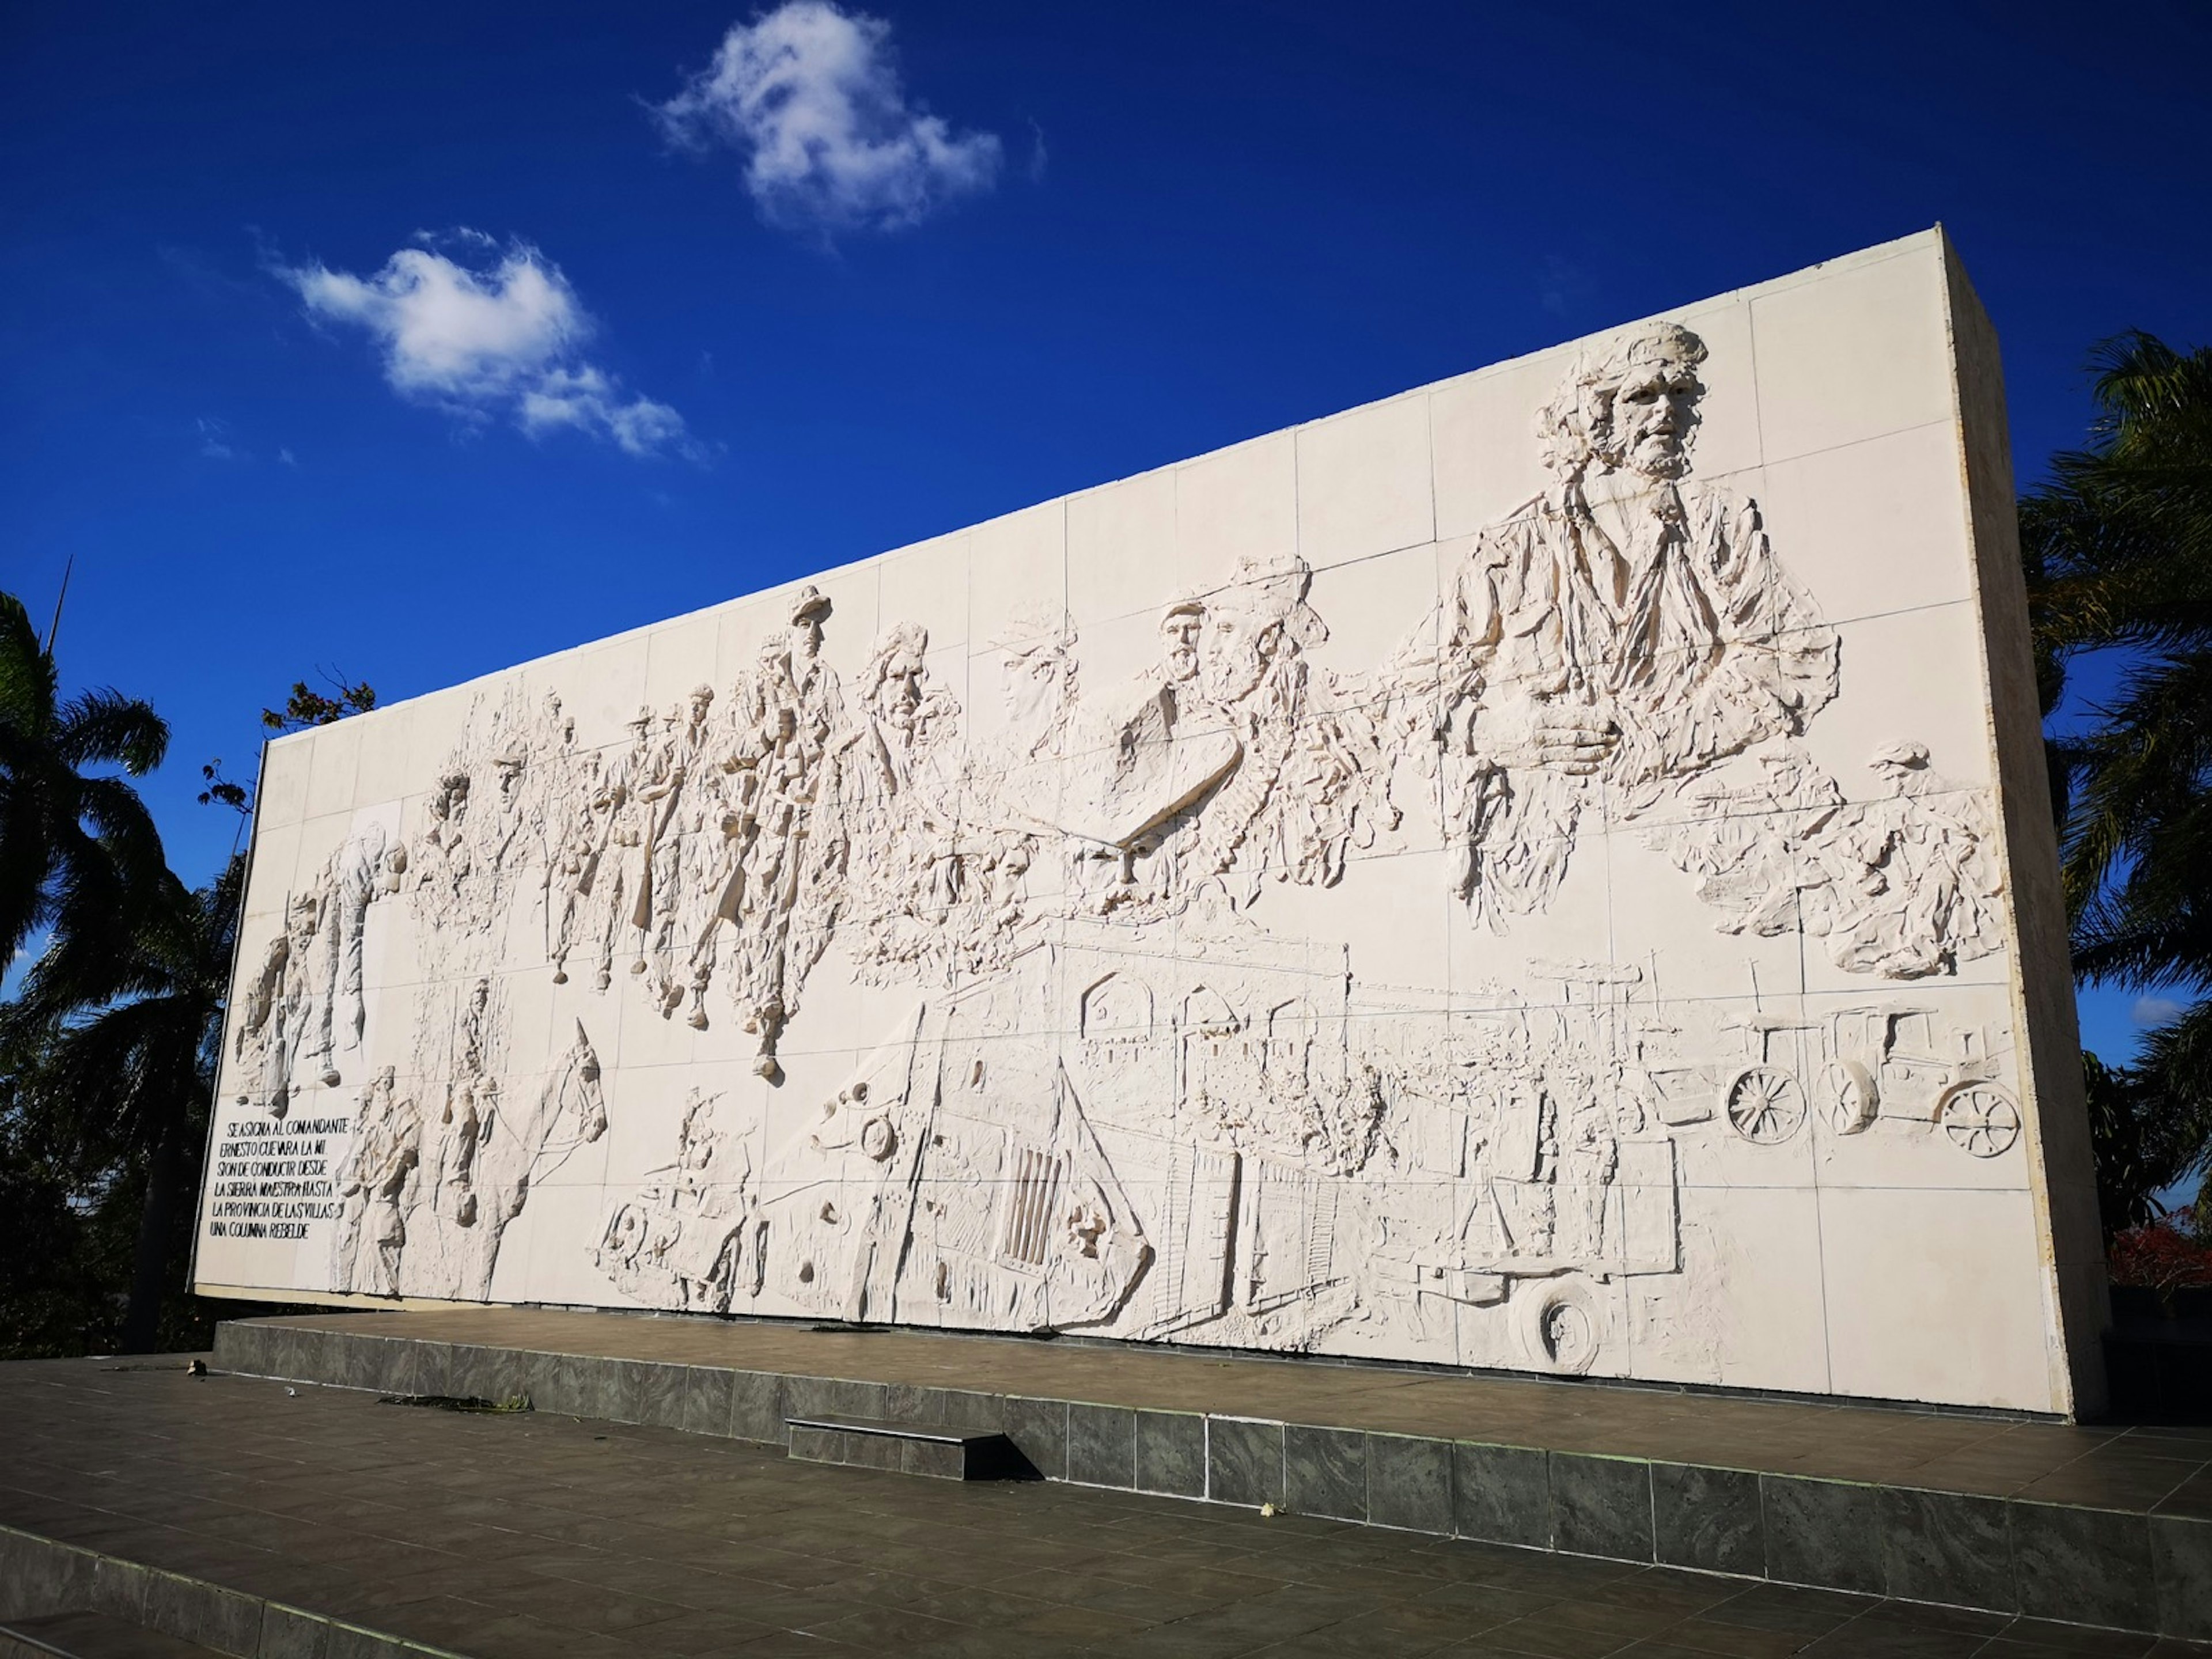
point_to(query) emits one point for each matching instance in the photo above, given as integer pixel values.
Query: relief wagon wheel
(1980, 1117)
(1765, 1105)
(1562, 1328)
(1848, 1092)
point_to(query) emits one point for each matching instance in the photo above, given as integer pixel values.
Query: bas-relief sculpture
(1119, 1102)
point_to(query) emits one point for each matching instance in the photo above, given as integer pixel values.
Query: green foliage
(113, 1042)
(71, 834)
(70, 1227)
(2147, 1132)
(54, 1287)
(2119, 551)
(304, 707)
(110, 1049)
(126, 1014)
(307, 706)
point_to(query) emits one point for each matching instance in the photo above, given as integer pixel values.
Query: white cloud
(811, 95)
(2156, 1011)
(586, 399)
(503, 336)
(215, 440)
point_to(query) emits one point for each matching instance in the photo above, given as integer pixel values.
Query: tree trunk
(141, 1321)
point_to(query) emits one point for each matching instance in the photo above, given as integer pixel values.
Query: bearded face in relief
(1239, 642)
(1633, 409)
(896, 675)
(1252, 622)
(1180, 633)
(1654, 415)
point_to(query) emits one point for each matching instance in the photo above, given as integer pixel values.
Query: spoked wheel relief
(1765, 1105)
(1981, 1118)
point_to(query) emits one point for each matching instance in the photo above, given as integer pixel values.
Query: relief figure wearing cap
(1232, 757)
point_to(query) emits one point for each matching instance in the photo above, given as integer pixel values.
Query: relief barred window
(1030, 1209)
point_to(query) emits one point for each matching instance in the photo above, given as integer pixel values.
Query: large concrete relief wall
(1508, 877)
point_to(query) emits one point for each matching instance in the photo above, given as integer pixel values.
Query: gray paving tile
(1601, 1506)
(1947, 1547)
(584, 1535)
(1409, 1482)
(1707, 1518)
(1102, 1445)
(2085, 1567)
(1244, 1461)
(1822, 1532)
(1502, 1495)
(1171, 1453)
(2181, 1563)
(1324, 1472)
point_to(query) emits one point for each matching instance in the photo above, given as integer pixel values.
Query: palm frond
(103, 727)
(28, 683)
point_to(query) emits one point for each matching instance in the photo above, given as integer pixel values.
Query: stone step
(1964, 1510)
(83, 1634)
(65, 1599)
(936, 1450)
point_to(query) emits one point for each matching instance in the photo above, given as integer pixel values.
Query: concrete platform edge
(2112, 1568)
(40, 1576)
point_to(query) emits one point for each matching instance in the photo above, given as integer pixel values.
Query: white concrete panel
(1019, 576)
(333, 769)
(387, 766)
(1874, 526)
(1900, 1263)
(1121, 544)
(1236, 504)
(1365, 482)
(282, 798)
(1857, 357)
(680, 657)
(1483, 444)
(929, 584)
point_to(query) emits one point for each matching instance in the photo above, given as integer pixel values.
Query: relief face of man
(898, 693)
(806, 637)
(1030, 678)
(1240, 639)
(1631, 412)
(774, 666)
(1179, 636)
(808, 611)
(1656, 415)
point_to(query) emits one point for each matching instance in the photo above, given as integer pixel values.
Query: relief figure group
(1626, 647)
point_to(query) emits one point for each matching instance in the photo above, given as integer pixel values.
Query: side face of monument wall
(1511, 876)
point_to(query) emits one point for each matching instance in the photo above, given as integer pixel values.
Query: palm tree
(123, 1026)
(69, 842)
(2118, 548)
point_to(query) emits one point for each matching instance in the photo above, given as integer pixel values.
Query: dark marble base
(92, 1636)
(2146, 1569)
(935, 1449)
(43, 1583)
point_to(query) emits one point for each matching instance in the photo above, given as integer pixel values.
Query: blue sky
(1053, 245)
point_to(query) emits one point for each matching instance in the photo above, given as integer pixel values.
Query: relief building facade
(1548, 872)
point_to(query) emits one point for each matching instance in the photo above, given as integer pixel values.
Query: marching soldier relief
(1574, 938)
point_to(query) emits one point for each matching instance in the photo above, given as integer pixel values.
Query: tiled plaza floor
(532, 1534)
